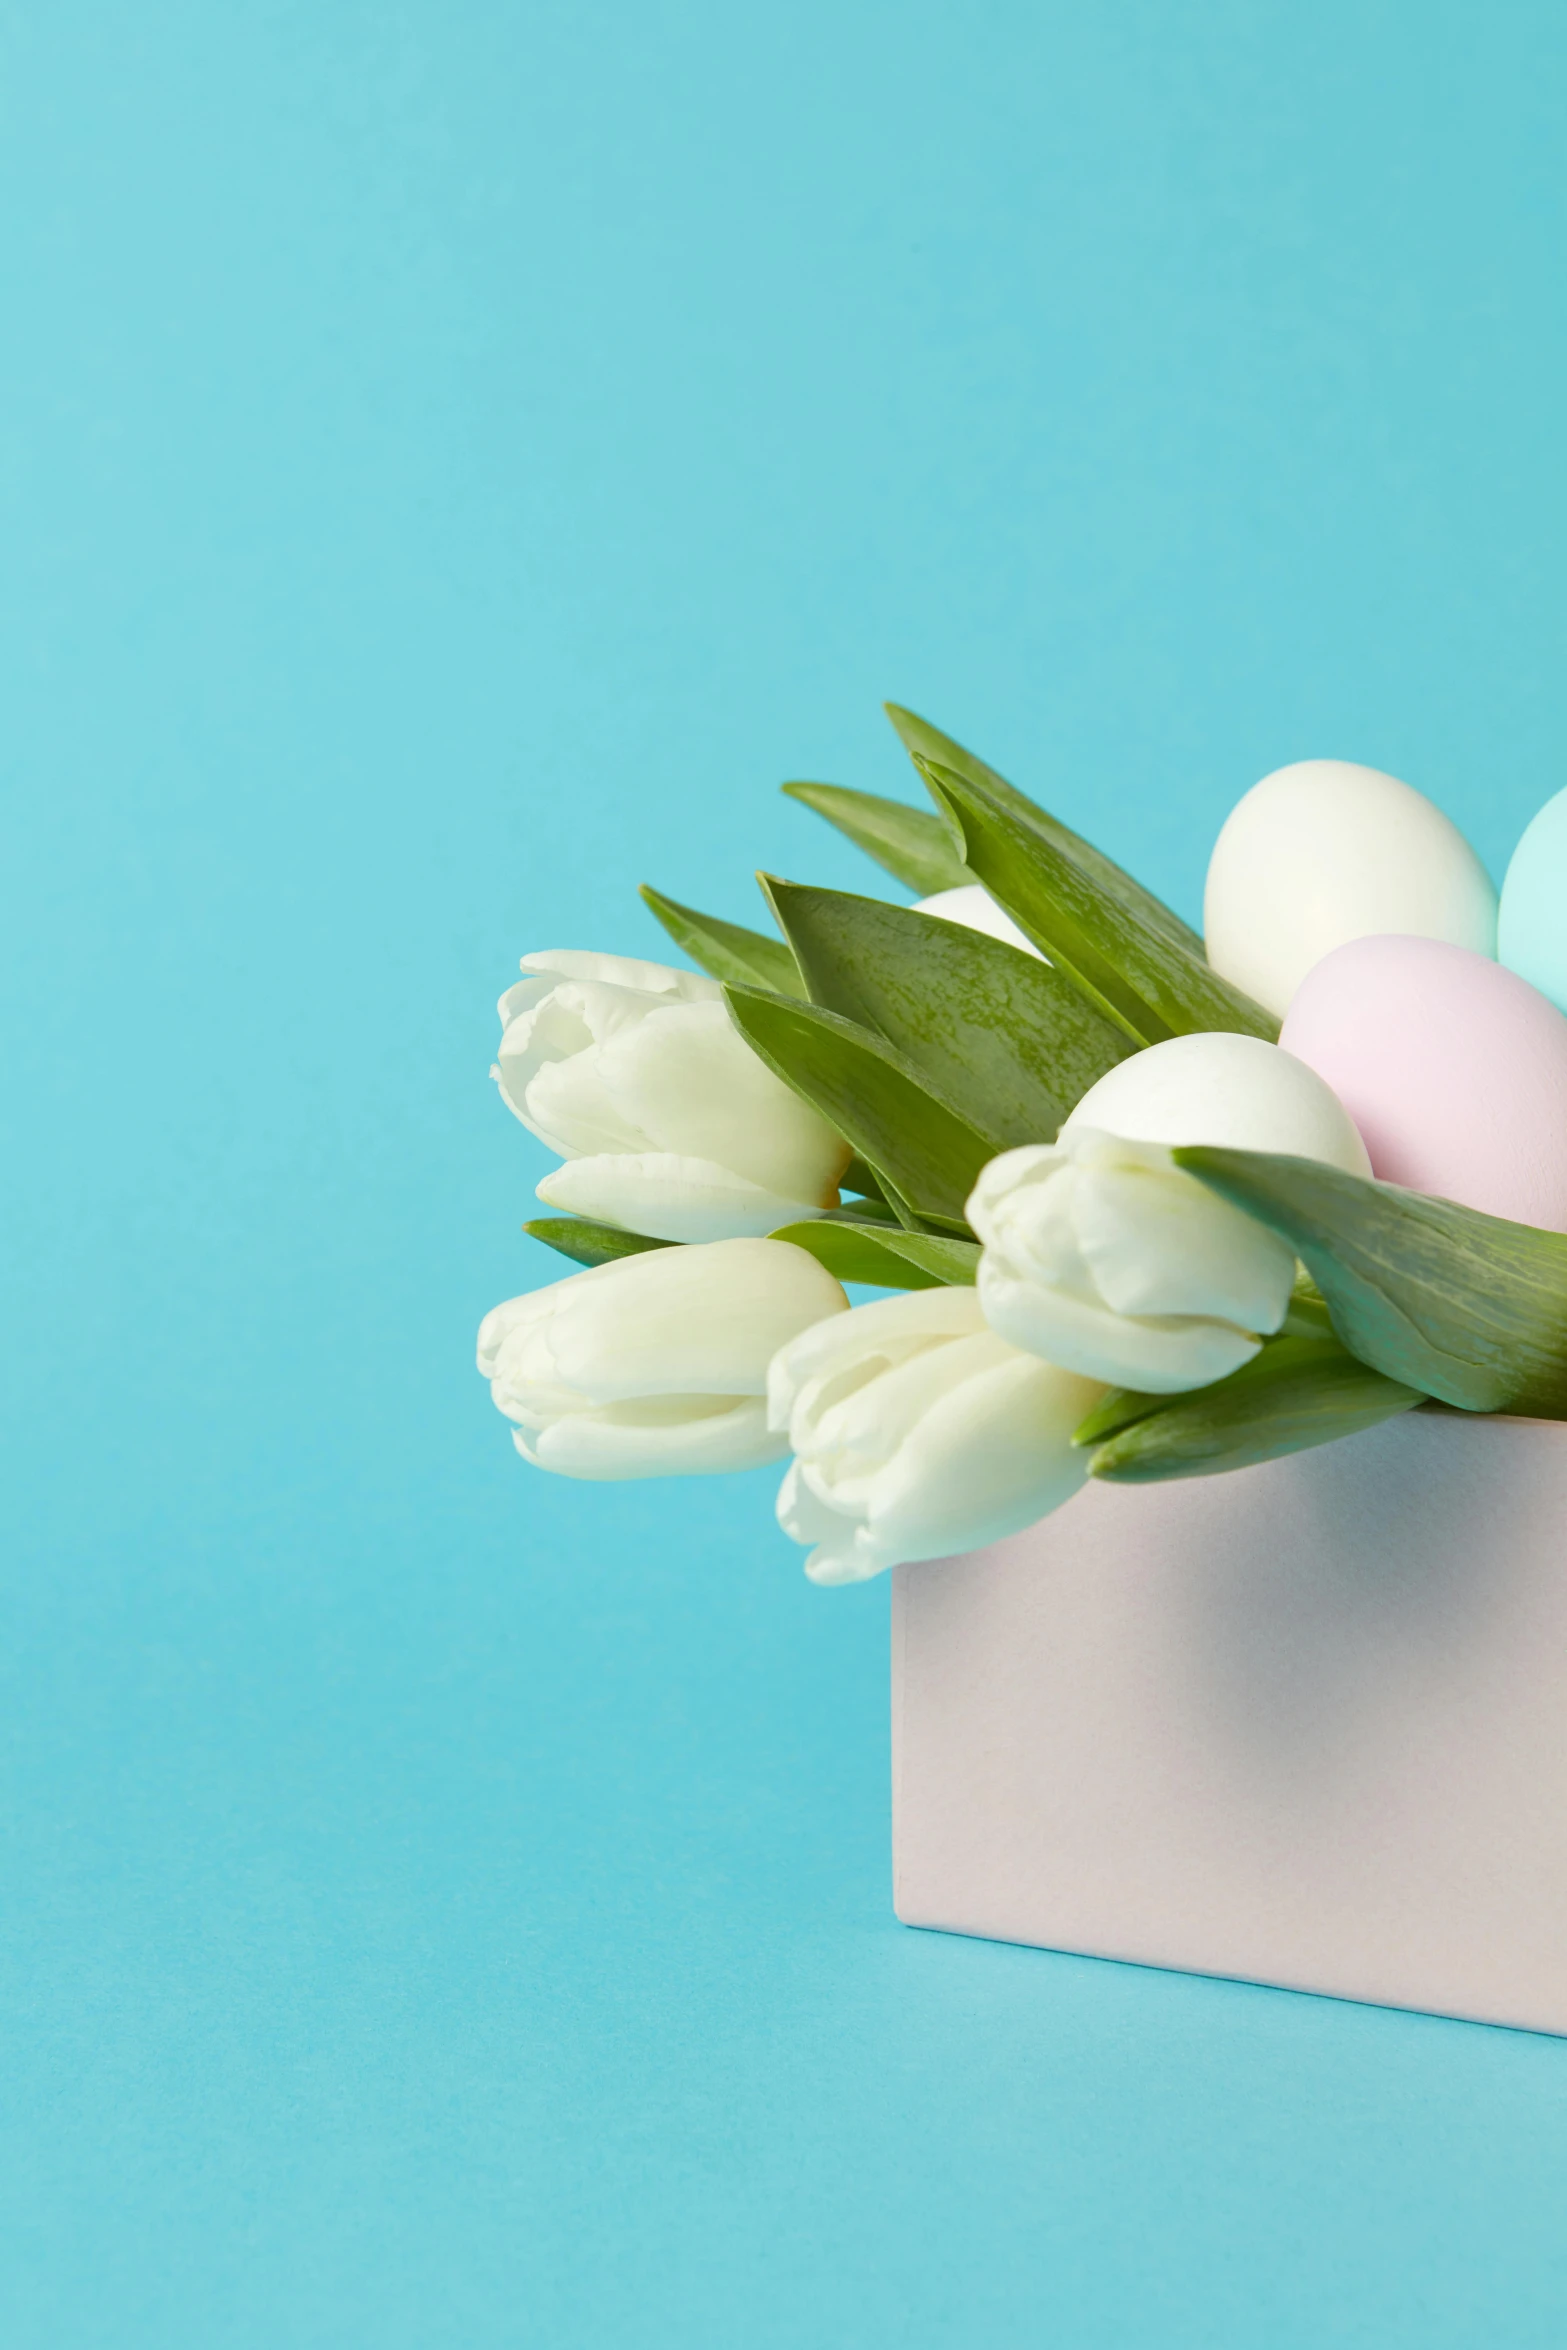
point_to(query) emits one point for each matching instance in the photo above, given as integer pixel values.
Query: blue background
(455, 459)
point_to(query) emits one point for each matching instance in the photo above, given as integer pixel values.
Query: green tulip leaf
(1307, 1315)
(997, 1033)
(911, 844)
(1469, 1308)
(863, 1209)
(589, 1244)
(885, 1259)
(1139, 977)
(861, 1178)
(726, 950)
(1298, 1392)
(1118, 1410)
(924, 1151)
(923, 741)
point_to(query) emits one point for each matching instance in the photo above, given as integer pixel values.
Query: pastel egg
(1531, 929)
(1234, 1091)
(1454, 1069)
(1324, 852)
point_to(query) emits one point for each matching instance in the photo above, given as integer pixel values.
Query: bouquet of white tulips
(1119, 1231)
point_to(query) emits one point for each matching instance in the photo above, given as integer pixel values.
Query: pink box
(1305, 1724)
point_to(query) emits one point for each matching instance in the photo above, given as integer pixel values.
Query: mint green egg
(1531, 931)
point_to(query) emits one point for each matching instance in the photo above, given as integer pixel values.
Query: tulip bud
(654, 1365)
(668, 1122)
(918, 1433)
(1102, 1255)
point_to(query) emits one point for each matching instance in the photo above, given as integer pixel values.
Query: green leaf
(1307, 1315)
(923, 741)
(885, 1259)
(864, 1210)
(1150, 984)
(1298, 1392)
(925, 1152)
(589, 1244)
(726, 950)
(997, 1033)
(1116, 1411)
(909, 843)
(859, 1177)
(1469, 1308)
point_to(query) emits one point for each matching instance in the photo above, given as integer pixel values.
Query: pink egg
(1454, 1070)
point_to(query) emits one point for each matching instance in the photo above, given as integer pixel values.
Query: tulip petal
(549, 1069)
(517, 1358)
(803, 1514)
(554, 1023)
(694, 1435)
(501, 1321)
(880, 1334)
(626, 971)
(668, 1197)
(855, 1435)
(851, 1557)
(687, 1321)
(994, 1455)
(1159, 1243)
(693, 1085)
(1159, 1357)
(1036, 1232)
(653, 1364)
(1098, 1259)
(918, 1431)
(837, 1383)
(840, 1552)
(520, 999)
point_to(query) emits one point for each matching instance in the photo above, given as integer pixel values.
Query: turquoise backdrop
(456, 459)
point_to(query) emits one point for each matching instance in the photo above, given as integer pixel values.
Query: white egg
(1324, 852)
(973, 908)
(1235, 1092)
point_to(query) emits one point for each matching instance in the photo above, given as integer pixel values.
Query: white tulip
(919, 1433)
(972, 907)
(654, 1365)
(1100, 1254)
(668, 1122)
